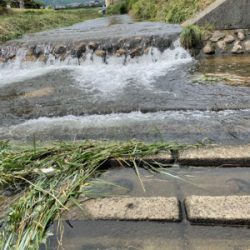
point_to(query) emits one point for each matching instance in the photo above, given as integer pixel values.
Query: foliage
(18, 22)
(191, 36)
(119, 8)
(52, 176)
(172, 11)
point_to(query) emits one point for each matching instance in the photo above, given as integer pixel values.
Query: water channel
(159, 95)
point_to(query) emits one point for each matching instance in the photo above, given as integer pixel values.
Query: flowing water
(151, 97)
(160, 95)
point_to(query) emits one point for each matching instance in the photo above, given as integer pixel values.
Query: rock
(237, 48)
(229, 39)
(241, 35)
(221, 45)
(79, 50)
(146, 51)
(100, 53)
(206, 36)
(120, 52)
(43, 58)
(217, 35)
(38, 51)
(135, 52)
(209, 49)
(30, 58)
(247, 46)
(60, 49)
(93, 45)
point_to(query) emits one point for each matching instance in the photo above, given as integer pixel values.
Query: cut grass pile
(16, 22)
(47, 178)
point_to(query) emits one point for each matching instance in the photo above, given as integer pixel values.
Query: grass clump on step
(48, 177)
(191, 37)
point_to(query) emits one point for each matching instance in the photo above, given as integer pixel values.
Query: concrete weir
(224, 14)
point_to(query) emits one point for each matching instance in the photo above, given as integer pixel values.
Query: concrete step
(200, 209)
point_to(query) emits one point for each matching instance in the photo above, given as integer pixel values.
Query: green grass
(15, 23)
(191, 36)
(44, 196)
(171, 11)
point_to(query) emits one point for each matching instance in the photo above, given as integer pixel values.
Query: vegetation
(191, 36)
(48, 177)
(172, 11)
(17, 22)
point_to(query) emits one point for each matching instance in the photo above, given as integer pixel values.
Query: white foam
(115, 120)
(95, 75)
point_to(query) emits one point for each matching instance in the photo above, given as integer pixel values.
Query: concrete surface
(224, 14)
(126, 208)
(220, 209)
(223, 156)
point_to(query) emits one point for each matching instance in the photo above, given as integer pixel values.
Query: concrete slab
(220, 156)
(126, 208)
(224, 14)
(220, 209)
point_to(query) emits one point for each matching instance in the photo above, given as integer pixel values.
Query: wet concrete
(151, 97)
(107, 28)
(93, 235)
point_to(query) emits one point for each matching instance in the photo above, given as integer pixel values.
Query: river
(154, 96)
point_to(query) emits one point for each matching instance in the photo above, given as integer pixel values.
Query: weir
(78, 83)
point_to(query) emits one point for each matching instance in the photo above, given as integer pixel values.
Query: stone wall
(226, 42)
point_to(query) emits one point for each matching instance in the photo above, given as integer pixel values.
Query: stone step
(131, 208)
(208, 156)
(223, 209)
(199, 209)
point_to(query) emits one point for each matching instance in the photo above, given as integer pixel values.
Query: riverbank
(170, 11)
(17, 22)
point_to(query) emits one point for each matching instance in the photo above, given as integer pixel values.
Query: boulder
(217, 35)
(100, 53)
(120, 52)
(247, 45)
(79, 50)
(229, 39)
(38, 51)
(60, 49)
(221, 45)
(209, 49)
(241, 35)
(237, 48)
(135, 52)
(93, 45)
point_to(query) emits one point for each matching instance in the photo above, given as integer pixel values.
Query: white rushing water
(94, 74)
(80, 124)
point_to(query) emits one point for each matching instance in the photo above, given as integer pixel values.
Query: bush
(119, 8)
(191, 37)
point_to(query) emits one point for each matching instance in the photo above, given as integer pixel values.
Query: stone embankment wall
(226, 42)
